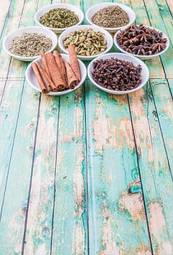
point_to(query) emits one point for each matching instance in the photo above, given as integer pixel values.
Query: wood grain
(67, 163)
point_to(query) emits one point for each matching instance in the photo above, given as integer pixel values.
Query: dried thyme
(30, 44)
(111, 17)
(59, 18)
(87, 42)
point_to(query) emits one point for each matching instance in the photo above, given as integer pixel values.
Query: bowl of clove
(27, 43)
(118, 73)
(56, 74)
(141, 41)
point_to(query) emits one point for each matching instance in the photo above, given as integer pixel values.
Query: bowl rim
(54, 5)
(117, 92)
(60, 92)
(123, 6)
(106, 34)
(13, 33)
(142, 56)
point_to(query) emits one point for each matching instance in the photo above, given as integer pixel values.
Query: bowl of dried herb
(141, 41)
(90, 41)
(110, 16)
(59, 16)
(118, 73)
(27, 43)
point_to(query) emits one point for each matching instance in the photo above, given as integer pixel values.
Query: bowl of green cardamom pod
(90, 41)
(59, 16)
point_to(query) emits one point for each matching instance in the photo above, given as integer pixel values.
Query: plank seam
(140, 177)
(6, 19)
(87, 169)
(11, 153)
(55, 171)
(30, 183)
(3, 91)
(151, 25)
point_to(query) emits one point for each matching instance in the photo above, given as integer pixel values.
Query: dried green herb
(30, 44)
(111, 17)
(59, 18)
(87, 42)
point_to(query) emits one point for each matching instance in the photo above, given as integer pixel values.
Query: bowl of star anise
(141, 41)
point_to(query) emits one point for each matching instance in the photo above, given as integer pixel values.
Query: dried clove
(116, 74)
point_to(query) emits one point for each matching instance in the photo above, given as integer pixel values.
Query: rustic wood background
(66, 162)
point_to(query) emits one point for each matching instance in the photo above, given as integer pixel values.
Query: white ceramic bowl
(144, 57)
(135, 61)
(95, 8)
(9, 38)
(68, 31)
(49, 7)
(32, 81)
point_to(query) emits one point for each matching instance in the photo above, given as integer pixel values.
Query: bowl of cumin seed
(110, 16)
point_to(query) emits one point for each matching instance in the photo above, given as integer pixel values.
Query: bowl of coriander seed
(59, 16)
(110, 16)
(27, 43)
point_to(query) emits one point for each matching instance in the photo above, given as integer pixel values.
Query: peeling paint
(132, 203)
(157, 219)
(108, 239)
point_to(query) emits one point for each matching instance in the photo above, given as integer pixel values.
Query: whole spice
(111, 17)
(30, 44)
(116, 74)
(87, 42)
(53, 73)
(59, 18)
(141, 40)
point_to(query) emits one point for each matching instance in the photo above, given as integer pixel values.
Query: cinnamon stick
(49, 83)
(43, 58)
(60, 64)
(39, 78)
(54, 72)
(71, 77)
(74, 61)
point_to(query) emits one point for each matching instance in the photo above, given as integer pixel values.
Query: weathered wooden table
(66, 163)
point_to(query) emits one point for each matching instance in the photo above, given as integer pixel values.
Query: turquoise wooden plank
(112, 165)
(154, 169)
(8, 122)
(15, 12)
(154, 65)
(5, 5)
(157, 21)
(18, 170)
(42, 192)
(70, 216)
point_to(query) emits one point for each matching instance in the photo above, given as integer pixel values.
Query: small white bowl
(32, 81)
(49, 7)
(121, 56)
(68, 31)
(9, 38)
(95, 8)
(144, 57)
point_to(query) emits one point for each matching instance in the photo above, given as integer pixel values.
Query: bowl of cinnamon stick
(56, 74)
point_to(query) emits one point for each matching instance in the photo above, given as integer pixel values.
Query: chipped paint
(108, 239)
(157, 219)
(133, 204)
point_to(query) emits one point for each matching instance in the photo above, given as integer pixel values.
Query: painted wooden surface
(66, 164)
